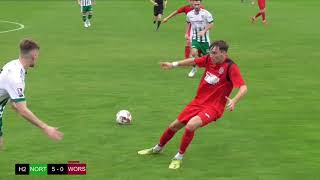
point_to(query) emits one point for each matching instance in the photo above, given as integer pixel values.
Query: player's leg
(187, 137)
(84, 15)
(263, 14)
(164, 139)
(155, 14)
(187, 49)
(203, 118)
(194, 53)
(254, 18)
(90, 13)
(183, 118)
(159, 20)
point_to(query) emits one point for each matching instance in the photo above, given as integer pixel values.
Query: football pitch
(85, 76)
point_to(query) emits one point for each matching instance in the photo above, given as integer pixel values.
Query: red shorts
(207, 115)
(262, 4)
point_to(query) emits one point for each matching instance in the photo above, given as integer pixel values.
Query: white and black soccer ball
(124, 117)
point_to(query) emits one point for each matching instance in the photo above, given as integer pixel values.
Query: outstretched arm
(232, 102)
(23, 110)
(170, 65)
(174, 13)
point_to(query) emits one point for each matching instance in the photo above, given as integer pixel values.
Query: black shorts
(157, 10)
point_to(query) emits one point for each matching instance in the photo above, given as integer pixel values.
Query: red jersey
(216, 83)
(186, 9)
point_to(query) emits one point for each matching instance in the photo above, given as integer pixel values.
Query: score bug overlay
(72, 168)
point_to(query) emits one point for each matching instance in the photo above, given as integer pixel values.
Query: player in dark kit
(262, 12)
(221, 76)
(158, 6)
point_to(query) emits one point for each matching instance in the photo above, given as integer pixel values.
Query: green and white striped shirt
(198, 23)
(11, 83)
(85, 2)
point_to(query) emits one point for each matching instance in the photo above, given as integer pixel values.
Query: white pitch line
(21, 26)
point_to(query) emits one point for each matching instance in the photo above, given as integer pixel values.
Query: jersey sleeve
(202, 61)
(181, 10)
(16, 91)
(209, 17)
(235, 76)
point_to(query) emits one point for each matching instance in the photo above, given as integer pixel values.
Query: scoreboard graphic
(72, 168)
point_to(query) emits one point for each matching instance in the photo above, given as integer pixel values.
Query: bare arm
(78, 2)
(174, 13)
(208, 27)
(184, 62)
(232, 102)
(23, 110)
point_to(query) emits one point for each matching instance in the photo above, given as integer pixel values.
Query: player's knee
(194, 53)
(194, 123)
(175, 126)
(191, 126)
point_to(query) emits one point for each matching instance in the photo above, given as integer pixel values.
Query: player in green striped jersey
(201, 22)
(87, 11)
(12, 85)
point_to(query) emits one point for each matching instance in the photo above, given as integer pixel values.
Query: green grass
(84, 76)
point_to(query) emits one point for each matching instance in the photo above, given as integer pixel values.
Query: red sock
(187, 50)
(166, 136)
(186, 140)
(263, 16)
(259, 14)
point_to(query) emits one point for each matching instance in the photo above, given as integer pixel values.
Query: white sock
(157, 148)
(178, 156)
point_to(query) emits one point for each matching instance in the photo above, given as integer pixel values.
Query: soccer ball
(124, 117)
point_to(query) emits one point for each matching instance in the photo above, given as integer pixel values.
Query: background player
(158, 6)
(185, 9)
(220, 77)
(12, 85)
(262, 12)
(87, 11)
(201, 22)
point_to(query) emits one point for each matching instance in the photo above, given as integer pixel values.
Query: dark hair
(27, 45)
(223, 46)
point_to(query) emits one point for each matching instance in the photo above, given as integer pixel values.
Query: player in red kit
(220, 77)
(262, 12)
(185, 9)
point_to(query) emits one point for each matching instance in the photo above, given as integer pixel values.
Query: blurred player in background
(201, 22)
(158, 6)
(12, 85)
(185, 9)
(87, 11)
(262, 12)
(220, 77)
